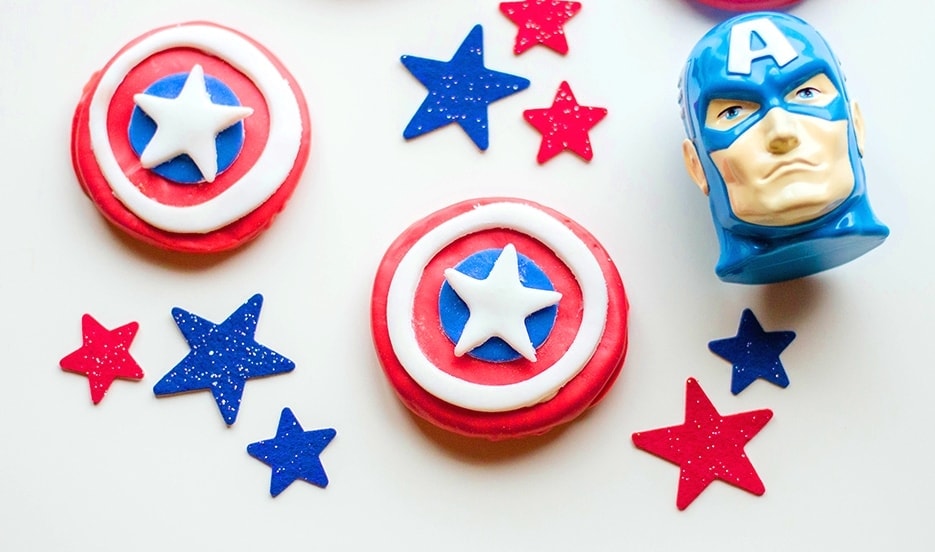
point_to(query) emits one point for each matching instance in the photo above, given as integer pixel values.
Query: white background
(846, 460)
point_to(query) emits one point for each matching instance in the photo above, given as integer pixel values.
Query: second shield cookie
(499, 318)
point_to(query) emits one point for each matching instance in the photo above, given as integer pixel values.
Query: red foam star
(565, 125)
(104, 356)
(540, 22)
(707, 446)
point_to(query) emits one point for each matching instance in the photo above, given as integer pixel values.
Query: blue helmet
(761, 58)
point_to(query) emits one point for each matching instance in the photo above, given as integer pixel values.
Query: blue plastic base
(766, 263)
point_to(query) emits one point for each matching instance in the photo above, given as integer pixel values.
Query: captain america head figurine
(776, 145)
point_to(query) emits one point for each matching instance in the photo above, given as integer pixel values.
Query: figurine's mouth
(791, 165)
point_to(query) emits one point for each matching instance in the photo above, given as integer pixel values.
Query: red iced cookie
(499, 318)
(191, 138)
(749, 5)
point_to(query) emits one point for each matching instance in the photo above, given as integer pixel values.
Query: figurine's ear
(858, 119)
(693, 166)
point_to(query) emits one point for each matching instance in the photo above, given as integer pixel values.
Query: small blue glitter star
(754, 353)
(459, 90)
(222, 357)
(293, 453)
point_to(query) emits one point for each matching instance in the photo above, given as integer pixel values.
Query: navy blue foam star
(293, 453)
(222, 357)
(754, 353)
(459, 90)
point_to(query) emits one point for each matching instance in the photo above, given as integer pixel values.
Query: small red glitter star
(540, 22)
(565, 125)
(104, 356)
(707, 446)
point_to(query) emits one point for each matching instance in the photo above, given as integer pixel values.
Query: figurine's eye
(807, 93)
(731, 112)
(724, 114)
(817, 91)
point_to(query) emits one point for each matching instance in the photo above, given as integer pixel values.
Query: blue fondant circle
(182, 169)
(454, 313)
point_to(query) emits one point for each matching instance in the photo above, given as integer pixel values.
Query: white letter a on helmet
(775, 45)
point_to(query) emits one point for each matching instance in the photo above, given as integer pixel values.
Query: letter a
(775, 45)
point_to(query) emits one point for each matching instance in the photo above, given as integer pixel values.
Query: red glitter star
(540, 22)
(104, 356)
(707, 446)
(565, 125)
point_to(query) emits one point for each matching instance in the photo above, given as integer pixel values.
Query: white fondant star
(499, 305)
(188, 124)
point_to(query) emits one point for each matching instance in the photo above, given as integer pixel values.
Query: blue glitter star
(459, 90)
(293, 453)
(222, 357)
(754, 353)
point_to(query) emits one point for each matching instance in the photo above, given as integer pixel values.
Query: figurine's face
(788, 167)
(772, 137)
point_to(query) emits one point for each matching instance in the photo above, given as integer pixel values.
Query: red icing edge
(584, 391)
(749, 5)
(228, 237)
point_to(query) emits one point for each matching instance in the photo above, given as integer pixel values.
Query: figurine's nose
(782, 134)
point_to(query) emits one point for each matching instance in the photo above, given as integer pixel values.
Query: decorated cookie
(191, 138)
(499, 318)
(749, 5)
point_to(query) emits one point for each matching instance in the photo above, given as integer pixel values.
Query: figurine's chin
(799, 202)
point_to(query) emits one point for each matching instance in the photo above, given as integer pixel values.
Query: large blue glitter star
(293, 453)
(459, 90)
(222, 357)
(754, 353)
